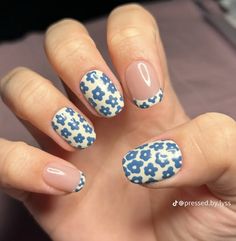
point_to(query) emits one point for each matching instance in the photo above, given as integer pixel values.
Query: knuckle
(13, 163)
(68, 39)
(70, 47)
(31, 92)
(9, 79)
(21, 88)
(219, 130)
(123, 36)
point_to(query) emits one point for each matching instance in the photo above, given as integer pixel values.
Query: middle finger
(76, 59)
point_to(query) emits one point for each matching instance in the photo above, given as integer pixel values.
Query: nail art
(144, 104)
(101, 93)
(144, 84)
(73, 128)
(152, 162)
(63, 177)
(81, 182)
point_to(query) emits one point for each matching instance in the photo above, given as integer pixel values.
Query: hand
(200, 152)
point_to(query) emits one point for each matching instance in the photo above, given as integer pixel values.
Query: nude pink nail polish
(63, 177)
(143, 84)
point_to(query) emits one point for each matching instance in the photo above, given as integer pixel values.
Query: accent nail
(63, 177)
(73, 128)
(101, 93)
(143, 84)
(152, 162)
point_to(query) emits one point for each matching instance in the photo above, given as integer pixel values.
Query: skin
(110, 207)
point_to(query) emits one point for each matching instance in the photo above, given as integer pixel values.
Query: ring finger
(35, 100)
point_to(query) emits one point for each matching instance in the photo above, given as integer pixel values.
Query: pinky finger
(29, 169)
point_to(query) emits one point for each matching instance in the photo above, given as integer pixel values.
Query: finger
(207, 147)
(136, 51)
(76, 59)
(36, 100)
(26, 168)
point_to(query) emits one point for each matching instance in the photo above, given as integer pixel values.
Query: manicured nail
(152, 162)
(73, 128)
(143, 84)
(101, 93)
(63, 177)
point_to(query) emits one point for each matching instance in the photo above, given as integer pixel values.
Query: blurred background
(199, 37)
(20, 17)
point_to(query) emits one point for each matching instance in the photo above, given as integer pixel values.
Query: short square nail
(152, 162)
(73, 128)
(64, 178)
(143, 84)
(101, 93)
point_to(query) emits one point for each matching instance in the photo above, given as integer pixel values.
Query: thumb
(202, 151)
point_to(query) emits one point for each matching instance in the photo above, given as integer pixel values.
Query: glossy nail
(101, 93)
(63, 177)
(143, 84)
(152, 162)
(73, 128)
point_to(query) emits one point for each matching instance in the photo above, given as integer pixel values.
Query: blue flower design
(160, 161)
(121, 99)
(113, 101)
(118, 109)
(150, 170)
(90, 140)
(127, 173)
(134, 166)
(91, 76)
(65, 132)
(172, 147)
(157, 146)
(79, 138)
(152, 99)
(61, 119)
(105, 79)
(83, 87)
(131, 155)
(87, 128)
(74, 125)
(144, 105)
(168, 173)
(137, 180)
(105, 110)
(70, 111)
(177, 161)
(145, 155)
(81, 118)
(111, 87)
(141, 147)
(98, 93)
(92, 102)
(54, 126)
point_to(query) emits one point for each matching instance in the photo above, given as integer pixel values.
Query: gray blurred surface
(202, 68)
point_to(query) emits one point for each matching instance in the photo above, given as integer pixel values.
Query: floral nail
(73, 128)
(152, 162)
(101, 93)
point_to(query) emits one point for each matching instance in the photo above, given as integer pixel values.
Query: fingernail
(63, 177)
(73, 128)
(101, 93)
(143, 84)
(152, 162)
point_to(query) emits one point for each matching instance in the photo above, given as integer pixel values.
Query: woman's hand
(201, 152)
